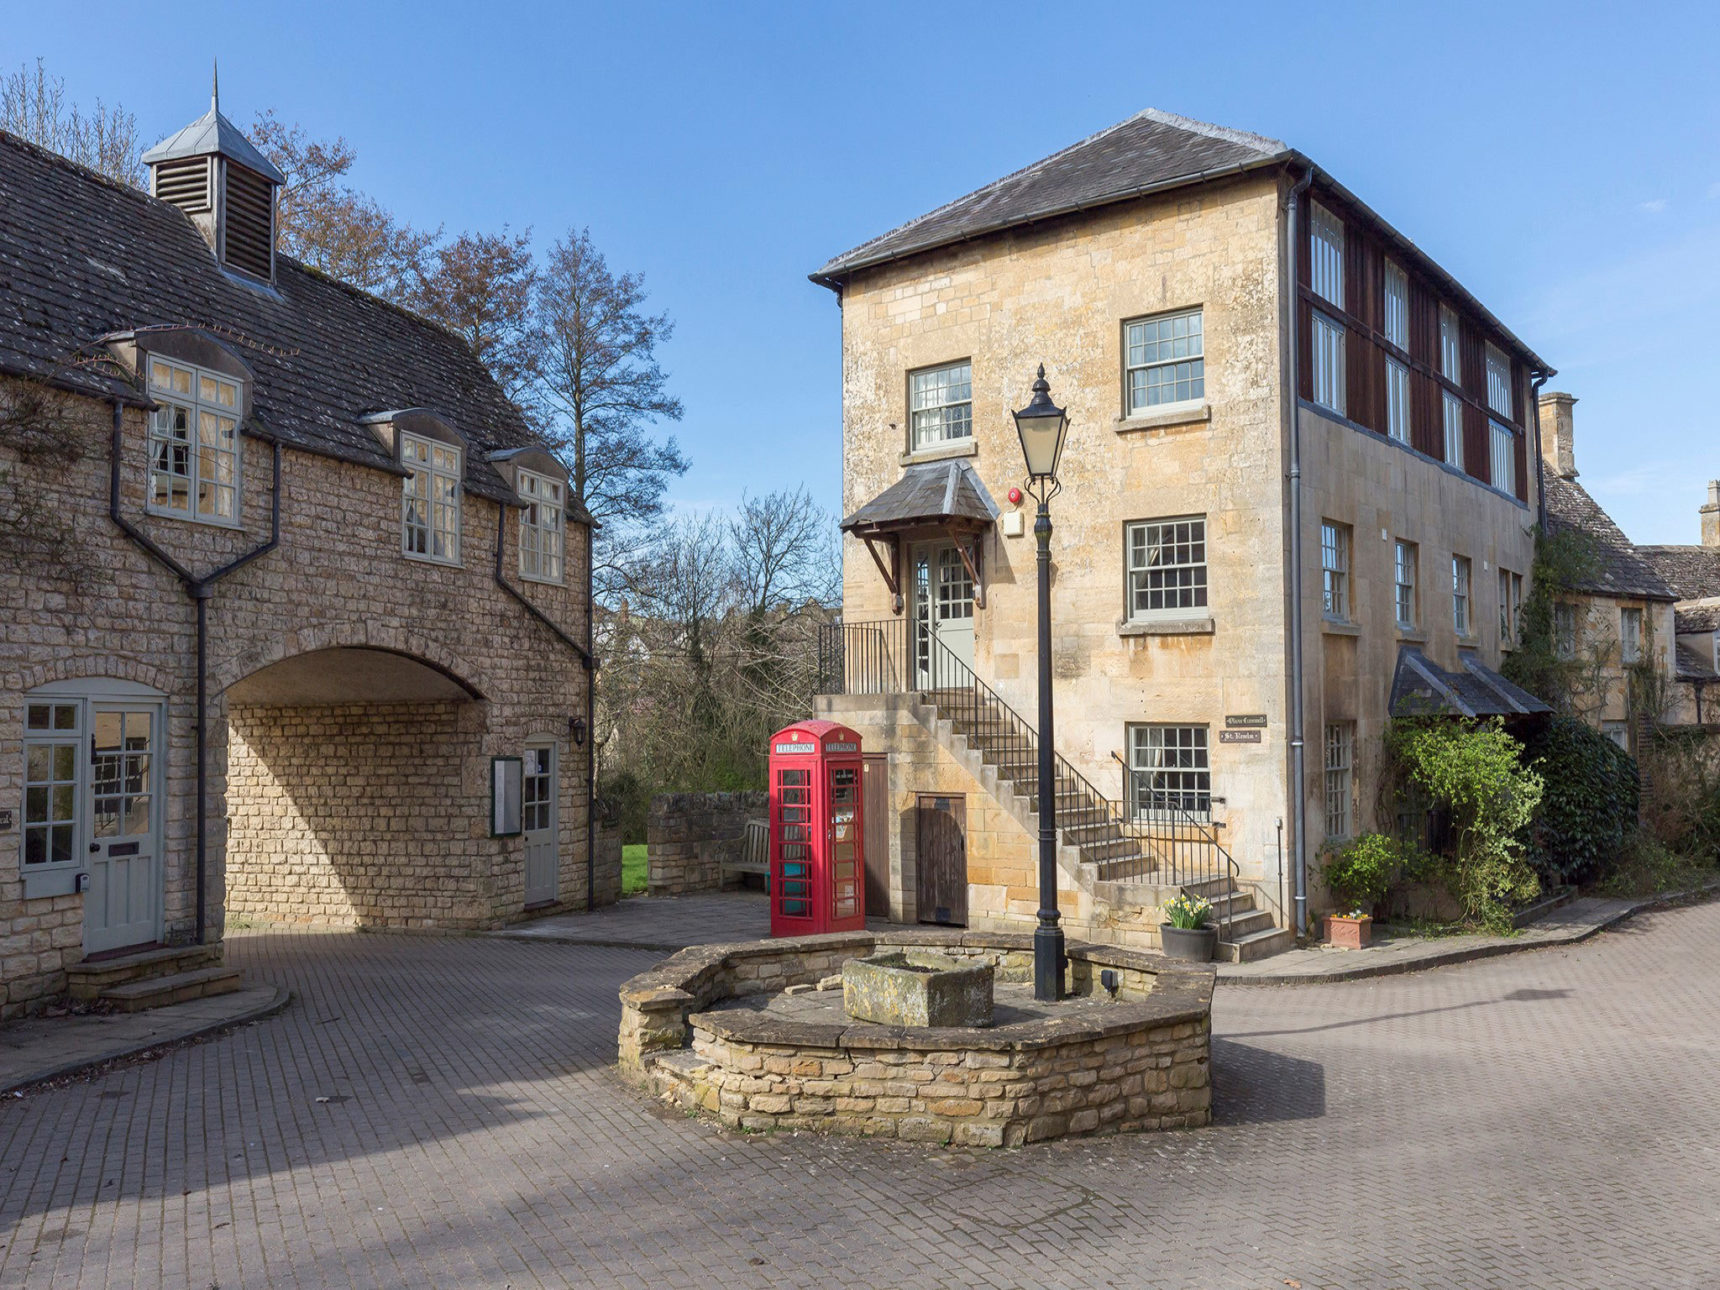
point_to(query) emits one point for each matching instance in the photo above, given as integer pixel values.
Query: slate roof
(1620, 569)
(1691, 571)
(1421, 687)
(1692, 666)
(82, 258)
(1151, 150)
(1693, 619)
(930, 493)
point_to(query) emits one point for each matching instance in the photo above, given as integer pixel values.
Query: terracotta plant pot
(1349, 933)
(1195, 944)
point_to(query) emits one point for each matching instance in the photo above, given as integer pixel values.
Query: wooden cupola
(213, 173)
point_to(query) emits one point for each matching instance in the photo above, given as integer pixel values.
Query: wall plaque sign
(1246, 721)
(1238, 736)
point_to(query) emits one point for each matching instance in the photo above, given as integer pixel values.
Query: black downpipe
(585, 660)
(202, 591)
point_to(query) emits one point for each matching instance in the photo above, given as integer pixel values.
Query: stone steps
(159, 991)
(91, 978)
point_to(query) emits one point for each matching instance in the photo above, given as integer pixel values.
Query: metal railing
(1169, 847)
(1178, 847)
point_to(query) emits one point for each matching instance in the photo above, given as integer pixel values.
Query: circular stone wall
(704, 1031)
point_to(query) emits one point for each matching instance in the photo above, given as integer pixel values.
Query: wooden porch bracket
(892, 571)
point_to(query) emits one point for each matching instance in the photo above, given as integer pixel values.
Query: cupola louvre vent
(249, 234)
(184, 183)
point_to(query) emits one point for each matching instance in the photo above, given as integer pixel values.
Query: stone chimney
(1710, 514)
(1556, 433)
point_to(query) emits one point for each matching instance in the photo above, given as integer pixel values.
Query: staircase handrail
(1205, 830)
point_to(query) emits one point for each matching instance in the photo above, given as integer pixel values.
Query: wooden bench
(755, 853)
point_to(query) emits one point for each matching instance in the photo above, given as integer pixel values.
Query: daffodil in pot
(1187, 932)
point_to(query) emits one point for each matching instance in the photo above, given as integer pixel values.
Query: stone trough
(913, 988)
(745, 1035)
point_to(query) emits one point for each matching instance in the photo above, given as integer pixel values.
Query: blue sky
(1559, 159)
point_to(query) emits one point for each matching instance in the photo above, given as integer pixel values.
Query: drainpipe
(585, 660)
(1541, 378)
(1298, 748)
(202, 591)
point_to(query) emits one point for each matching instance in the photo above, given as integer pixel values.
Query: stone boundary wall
(689, 836)
(1140, 1063)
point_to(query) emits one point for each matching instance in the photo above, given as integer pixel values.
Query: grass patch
(633, 869)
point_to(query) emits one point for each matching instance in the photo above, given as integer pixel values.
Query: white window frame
(543, 528)
(1156, 359)
(1326, 255)
(1565, 629)
(1502, 443)
(1452, 419)
(203, 407)
(1397, 401)
(1510, 605)
(934, 416)
(1405, 557)
(1396, 312)
(1327, 344)
(431, 500)
(1450, 345)
(1170, 771)
(1165, 559)
(1499, 381)
(1462, 583)
(1335, 544)
(1340, 746)
(1618, 732)
(1630, 635)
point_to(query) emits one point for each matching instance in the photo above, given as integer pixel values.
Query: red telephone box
(815, 823)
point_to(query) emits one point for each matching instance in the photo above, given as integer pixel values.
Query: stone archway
(356, 793)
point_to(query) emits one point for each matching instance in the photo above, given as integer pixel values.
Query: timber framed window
(1630, 636)
(1335, 570)
(1450, 346)
(543, 527)
(1397, 401)
(1510, 606)
(1404, 559)
(1397, 306)
(1565, 629)
(1460, 568)
(1502, 446)
(1164, 360)
(1327, 337)
(1340, 778)
(1166, 562)
(53, 746)
(1498, 381)
(940, 404)
(193, 443)
(430, 500)
(1326, 255)
(1170, 772)
(1453, 416)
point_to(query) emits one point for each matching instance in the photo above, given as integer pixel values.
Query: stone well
(699, 1031)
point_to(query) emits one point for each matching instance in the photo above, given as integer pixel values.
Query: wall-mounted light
(576, 730)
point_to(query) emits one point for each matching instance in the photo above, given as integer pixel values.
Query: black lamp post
(1042, 427)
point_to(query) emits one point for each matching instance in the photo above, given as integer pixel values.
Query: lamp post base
(1047, 963)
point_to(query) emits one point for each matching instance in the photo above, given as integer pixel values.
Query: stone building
(1618, 617)
(1693, 573)
(1298, 483)
(293, 595)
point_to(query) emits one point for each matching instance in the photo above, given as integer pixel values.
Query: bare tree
(785, 552)
(480, 286)
(332, 227)
(601, 384)
(33, 106)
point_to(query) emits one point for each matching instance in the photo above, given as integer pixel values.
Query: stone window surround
(1151, 414)
(1186, 620)
(913, 445)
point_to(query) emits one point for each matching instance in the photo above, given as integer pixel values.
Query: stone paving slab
(1389, 955)
(44, 1048)
(666, 923)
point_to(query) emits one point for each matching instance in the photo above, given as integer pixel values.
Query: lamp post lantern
(1042, 427)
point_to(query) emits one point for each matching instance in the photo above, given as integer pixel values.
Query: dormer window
(430, 500)
(193, 443)
(542, 527)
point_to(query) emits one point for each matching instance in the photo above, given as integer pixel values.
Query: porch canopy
(943, 498)
(1421, 688)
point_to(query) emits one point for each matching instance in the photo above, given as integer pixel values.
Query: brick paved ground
(1544, 1119)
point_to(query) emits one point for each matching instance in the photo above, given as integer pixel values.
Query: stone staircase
(153, 977)
(1138, 867)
